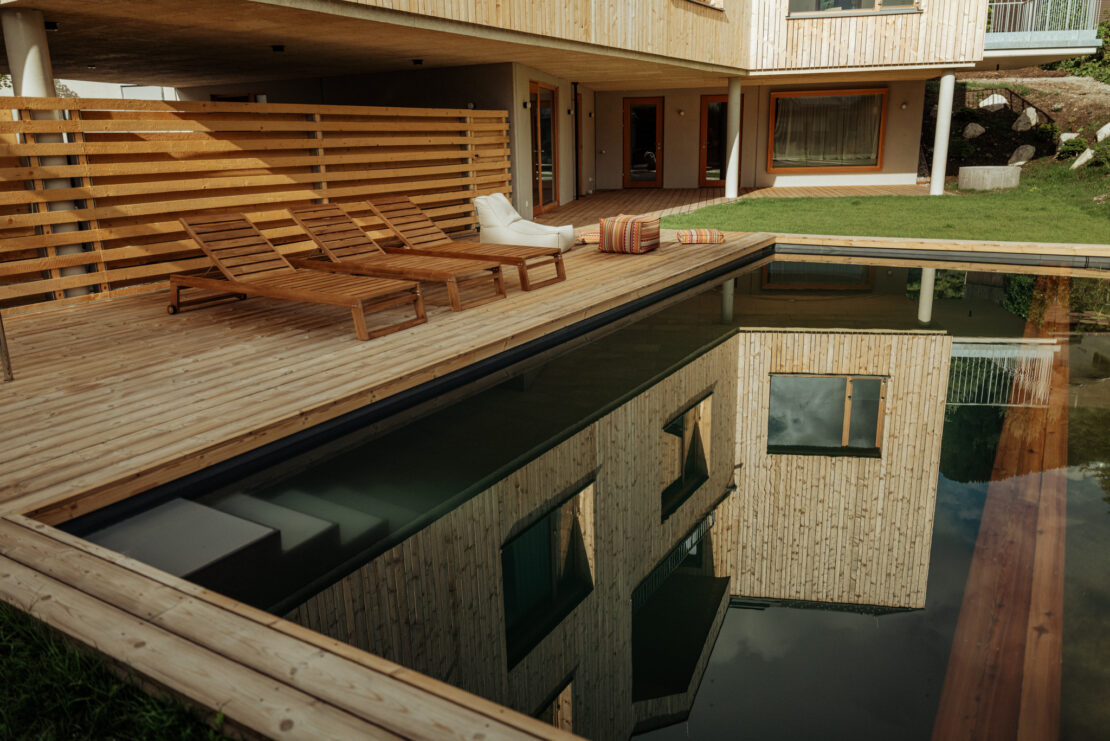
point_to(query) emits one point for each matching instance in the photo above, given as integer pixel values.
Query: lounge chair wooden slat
(420, 235)
(251, 266)
(350, 250)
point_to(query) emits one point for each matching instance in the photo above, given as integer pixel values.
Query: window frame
(916, 7)
(844, 449)
(884, 94)
(541, 619)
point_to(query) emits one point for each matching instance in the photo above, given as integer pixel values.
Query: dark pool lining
(236, 468)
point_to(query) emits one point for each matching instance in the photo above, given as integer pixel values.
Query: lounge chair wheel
(171, 309)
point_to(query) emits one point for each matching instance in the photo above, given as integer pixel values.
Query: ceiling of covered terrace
(212, 42)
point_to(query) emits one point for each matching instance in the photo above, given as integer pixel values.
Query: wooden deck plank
(179, 635)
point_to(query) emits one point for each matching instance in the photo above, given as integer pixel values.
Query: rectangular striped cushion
(700, 236)
(629, 234)
(589, 236)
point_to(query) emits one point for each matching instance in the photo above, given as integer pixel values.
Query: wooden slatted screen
(133, 167)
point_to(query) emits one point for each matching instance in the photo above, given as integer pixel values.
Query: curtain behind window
(827, 131)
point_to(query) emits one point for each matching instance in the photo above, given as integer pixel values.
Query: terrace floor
(665, 201)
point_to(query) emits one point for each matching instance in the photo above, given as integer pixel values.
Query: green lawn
(1053, 204)
(51, 690)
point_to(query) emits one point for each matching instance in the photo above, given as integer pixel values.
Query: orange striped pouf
(629, 234)
(700, 236)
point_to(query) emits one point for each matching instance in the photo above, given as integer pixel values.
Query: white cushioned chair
(501, 224)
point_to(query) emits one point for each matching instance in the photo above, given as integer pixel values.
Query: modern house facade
(659, 94)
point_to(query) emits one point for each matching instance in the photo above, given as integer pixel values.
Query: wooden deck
(586, 211)
(1003, 678)
(113, 397)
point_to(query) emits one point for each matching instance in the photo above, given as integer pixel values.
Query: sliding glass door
(543, 102)
(643, 142)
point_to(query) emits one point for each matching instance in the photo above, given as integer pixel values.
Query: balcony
(1042, 24)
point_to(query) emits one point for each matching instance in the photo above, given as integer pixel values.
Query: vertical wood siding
(837, 529)
(945, 32)
(435, 602)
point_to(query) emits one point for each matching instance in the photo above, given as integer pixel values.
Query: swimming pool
(606, 471)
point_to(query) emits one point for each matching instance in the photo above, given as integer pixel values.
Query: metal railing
(1010, 373)
(1039, 16)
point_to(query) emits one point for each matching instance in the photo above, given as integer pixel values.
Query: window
(839, 130)
(686, 453)
(832, 6)
(545, 572)
(826, 415)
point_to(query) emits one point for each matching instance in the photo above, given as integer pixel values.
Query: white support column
(732, 139)
(33, 77)
(925, 300)
(728, 295)
(944, 130)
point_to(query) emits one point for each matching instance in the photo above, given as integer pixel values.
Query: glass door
(543, 102)
(643, 142)
(713, 151)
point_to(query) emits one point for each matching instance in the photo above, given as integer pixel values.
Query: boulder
(1103, 133)
(1068, 136)
(973, 130)
(1022, 154)
(1027, 120)
(1083, 159)
(989, 178)
(994, 102)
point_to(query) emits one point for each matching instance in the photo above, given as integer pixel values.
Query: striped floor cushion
(629, 234)
(700, 236)
(589, 236)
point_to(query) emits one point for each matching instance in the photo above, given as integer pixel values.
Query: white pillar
(925, 300)
(732, 139)
(728, 293)
(33, 77)
(944, 130)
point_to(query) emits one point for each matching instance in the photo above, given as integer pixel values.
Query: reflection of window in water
(825, 414)
(686, 454)
(546, 573)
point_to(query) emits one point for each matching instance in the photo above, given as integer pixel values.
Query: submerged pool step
(215, 549)
(355, 527)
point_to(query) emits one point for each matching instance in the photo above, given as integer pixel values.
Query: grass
(50, 689)
(1053, 204)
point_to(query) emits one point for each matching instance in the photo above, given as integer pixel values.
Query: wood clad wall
(946, 31)
(672, 28)
(133, 167)
(435, 603)
(837, 529)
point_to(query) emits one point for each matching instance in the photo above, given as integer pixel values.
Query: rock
(1087, 156)
(993, 102)
(1027, 120)
(1103, 133)
(989, 178)
(1068, 137)
(1022, 154)
(1057, 107)
(973, 130)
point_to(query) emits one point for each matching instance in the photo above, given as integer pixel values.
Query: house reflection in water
(588, 585)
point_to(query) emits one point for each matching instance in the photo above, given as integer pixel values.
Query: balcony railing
(1018, 24)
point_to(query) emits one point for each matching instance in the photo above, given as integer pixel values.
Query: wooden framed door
(713, 147)
(543, 106)
(643, 142)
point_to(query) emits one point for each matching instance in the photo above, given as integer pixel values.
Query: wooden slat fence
(133, 167)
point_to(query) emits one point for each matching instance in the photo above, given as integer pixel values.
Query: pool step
(395, 515)
(211, 548)
(356, 528)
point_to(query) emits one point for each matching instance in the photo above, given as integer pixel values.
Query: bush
(1071, 148)
(1048, 133)
(1102, 154)
(960, 149)
(1096, 65)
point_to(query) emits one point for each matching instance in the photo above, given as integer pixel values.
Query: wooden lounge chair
(253, 267)
(348, 249)
(416, 230)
